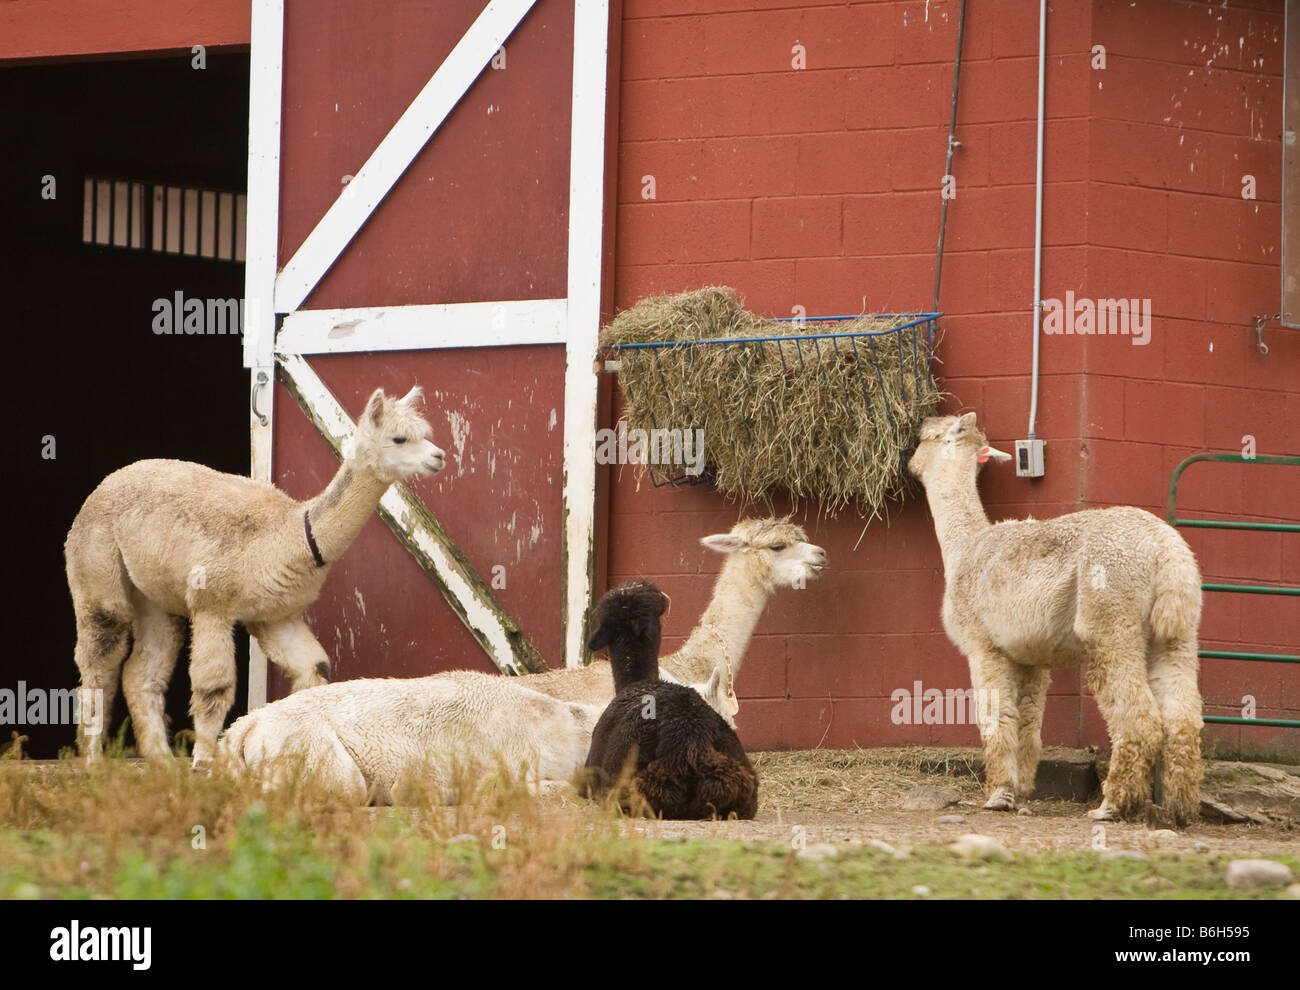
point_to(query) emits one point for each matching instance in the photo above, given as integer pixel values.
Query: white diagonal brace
(396, 151)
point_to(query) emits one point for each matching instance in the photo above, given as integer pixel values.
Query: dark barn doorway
(95, 384)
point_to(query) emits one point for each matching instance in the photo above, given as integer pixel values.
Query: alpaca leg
(330, 765)
(1172, 675)
(996, 694)
(430, 780)
(147, 672)
(723, 786)
(103, 632)
(1031, 685)
(1117, 676)
(283, 750)
(338, 771)
(665, 789)
(212, 680)
(292, 647)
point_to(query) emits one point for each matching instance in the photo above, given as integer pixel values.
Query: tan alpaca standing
(1117, 589)
(762, 556)
(162, 541)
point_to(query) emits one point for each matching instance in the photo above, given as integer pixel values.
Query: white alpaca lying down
(365, 738)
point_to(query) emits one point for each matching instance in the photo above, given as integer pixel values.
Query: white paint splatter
(459, 426)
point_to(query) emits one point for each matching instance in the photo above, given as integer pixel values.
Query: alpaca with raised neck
(162, 541)
(1116, 589)
(763, 555)
(683, 759)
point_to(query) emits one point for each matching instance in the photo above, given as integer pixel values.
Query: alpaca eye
(778, 547)
(399, 439)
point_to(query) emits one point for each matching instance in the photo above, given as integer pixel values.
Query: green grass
(130, 830)
(264, 858)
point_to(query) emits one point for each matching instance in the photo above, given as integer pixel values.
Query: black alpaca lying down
(685, 761)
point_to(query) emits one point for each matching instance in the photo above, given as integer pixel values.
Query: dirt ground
(857, 796)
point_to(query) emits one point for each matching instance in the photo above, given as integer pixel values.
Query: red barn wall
(43, 29)
(819, 188)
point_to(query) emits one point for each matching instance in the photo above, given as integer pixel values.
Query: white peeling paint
(459, 427)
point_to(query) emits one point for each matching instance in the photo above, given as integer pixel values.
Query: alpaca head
(776, 548)
(627, 622)
(392, 440)
(951, 444)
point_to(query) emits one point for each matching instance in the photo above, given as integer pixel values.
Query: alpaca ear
(720, 695)
(723, 542)
(411, 397)
(714, 687)
(374, 411)
(959, 428)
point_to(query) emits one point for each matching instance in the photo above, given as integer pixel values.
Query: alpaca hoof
(1105, 813)
(1002, 799)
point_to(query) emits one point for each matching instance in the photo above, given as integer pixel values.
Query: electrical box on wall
(1029, 458)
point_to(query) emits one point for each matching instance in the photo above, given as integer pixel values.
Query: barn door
(425, 207)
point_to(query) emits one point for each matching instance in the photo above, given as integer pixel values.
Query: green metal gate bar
(1171, 517)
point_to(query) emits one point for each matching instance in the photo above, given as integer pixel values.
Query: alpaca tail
(1176, 605)
(699, 782)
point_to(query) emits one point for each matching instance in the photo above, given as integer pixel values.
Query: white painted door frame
(262, 231)
(277, 326)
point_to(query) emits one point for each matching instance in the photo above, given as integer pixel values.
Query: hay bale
(820, 419)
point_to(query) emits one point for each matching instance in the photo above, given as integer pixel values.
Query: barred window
(186, 220)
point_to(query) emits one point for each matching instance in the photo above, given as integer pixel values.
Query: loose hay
(821, 419)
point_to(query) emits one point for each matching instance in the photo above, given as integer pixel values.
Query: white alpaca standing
(1117, 589)
(364, 739)
(762, 556)
(160, 541)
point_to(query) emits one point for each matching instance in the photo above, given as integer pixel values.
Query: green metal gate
(1171, 517)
